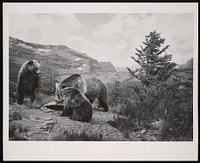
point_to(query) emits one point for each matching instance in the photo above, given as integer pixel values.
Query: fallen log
(55, 106)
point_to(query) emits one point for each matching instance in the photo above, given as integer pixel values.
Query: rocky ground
(44, 124)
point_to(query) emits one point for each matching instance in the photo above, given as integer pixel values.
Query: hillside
(64, 59)
(107, 67)
(187, 65)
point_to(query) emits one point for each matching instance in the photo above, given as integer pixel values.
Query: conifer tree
(155, 63)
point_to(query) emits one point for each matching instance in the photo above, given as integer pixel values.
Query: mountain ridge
(187, 65)
(107, 66)
(61, 57)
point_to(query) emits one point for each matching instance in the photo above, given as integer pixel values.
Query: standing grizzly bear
(27, 81)
(92, 88)
(76, 105)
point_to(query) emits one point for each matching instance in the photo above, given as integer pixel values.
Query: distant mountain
(61, 57)
(107, 67)
(124, 69)
(187, 65)
(121, 69)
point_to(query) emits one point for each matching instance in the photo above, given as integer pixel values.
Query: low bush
(143, 105)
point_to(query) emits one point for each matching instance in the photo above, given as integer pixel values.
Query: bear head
(33, 67)
(69, 92)
(72, 95)
(65, 93)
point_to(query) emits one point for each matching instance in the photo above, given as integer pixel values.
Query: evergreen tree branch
(168, 75)
(145, 43)
(133, 73)
(136, 60)
(163, 50)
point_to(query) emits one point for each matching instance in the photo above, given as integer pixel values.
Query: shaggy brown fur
(27, 82)
(76, 105)
(92, 88)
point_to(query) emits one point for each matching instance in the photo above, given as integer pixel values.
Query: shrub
(144, 105)
(178, 113)
(120, 93)
(141, 104)
(48, 78)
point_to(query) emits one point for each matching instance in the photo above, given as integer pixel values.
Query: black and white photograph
(101, 74)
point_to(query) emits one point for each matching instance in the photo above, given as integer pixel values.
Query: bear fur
(27, 81)
(92, 88)
(76, 105)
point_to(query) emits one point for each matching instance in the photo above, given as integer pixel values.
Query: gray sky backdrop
(107, 36)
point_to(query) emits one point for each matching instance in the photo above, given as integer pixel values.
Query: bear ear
(30, 62)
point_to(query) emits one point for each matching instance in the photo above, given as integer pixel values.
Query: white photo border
(101, 151)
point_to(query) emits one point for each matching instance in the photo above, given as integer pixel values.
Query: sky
(109, 37)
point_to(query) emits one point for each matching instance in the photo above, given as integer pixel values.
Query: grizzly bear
(76, 105)
(27, 81)
(92, 88)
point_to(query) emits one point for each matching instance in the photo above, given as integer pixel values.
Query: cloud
(177, 29)
(36, 27)
(108, 29)
(113, 37)
(119, 24)
(101, 52)
(56, 29)
(121, 46)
